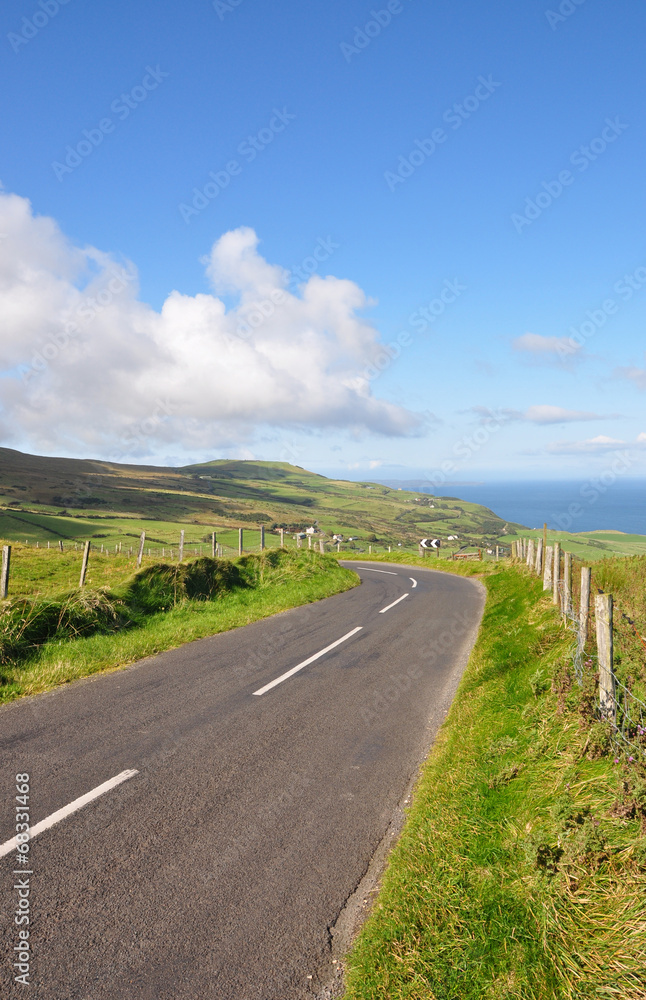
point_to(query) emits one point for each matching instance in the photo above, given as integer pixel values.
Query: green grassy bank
(521, 871)
(56, 639)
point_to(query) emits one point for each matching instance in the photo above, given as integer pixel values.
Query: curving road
(259, 772)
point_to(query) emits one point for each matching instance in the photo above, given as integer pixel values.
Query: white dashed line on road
(310, 659)
(66, 811)
(388, 572)
(384, 610)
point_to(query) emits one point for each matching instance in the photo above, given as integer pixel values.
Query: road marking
(66, 811)
(388, 572)
(384, 610)
(310, 659)
(414, 582)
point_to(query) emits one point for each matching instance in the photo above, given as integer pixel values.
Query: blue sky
(497, 104)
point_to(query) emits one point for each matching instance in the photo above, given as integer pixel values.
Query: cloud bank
(85, 366)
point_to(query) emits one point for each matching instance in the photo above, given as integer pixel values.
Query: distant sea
(620, 506)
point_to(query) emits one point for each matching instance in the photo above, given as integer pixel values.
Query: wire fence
(607, 642)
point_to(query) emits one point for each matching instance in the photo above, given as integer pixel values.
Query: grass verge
(52, 641)
(521, 871)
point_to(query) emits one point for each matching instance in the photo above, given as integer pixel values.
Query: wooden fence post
(566, 600)
(86, 557)
(530, 553)
(181, 545)
(262, 538)
(298, 540)
(309, 541)
(547, 568)
(556, 572)
(214, 545)
(240, 540)
(60, 544)
(321, 546)
(140, 554)
(544, 547)
(538, 563)
(584, 607)
(4, 578)
(603, 616)
(513, 549)
(282, 538)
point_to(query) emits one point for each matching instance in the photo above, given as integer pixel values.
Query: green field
(47, 499)
(44, 500)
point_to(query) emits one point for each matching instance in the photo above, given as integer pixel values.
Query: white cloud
(635, 375)
(595, 445)
(536, 343)
(544, 414)
(541, 413)
(87, 366)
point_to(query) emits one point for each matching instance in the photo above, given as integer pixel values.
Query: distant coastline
(566, 505)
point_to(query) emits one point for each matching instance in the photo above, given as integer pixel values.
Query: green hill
(43, 498)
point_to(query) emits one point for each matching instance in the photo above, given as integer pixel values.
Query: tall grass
(521, 872)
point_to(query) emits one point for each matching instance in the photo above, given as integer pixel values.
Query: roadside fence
(614, 641)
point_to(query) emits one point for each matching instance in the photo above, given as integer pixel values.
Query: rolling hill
(58, 497)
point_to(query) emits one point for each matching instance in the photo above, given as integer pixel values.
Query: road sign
(430, 543)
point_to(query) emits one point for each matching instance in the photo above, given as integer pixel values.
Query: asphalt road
(222, 867)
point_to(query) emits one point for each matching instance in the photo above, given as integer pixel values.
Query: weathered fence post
(321, 546)
(584, 607)
(513, 549)
(556, 572)
(544, 547)
(566, 597)
(214, 545)
(309, 541)
(60, 544)
(282, 538)
(530, 553)
(547, 568)
(262, 537)
(86, 556)
(140, 554)
(4, 577)
(538, 563)
(603, 615)
(181, 545)
(298, 540)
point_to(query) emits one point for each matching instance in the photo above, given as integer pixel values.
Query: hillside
(44, 498)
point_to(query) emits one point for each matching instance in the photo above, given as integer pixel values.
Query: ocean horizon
(565, 505)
